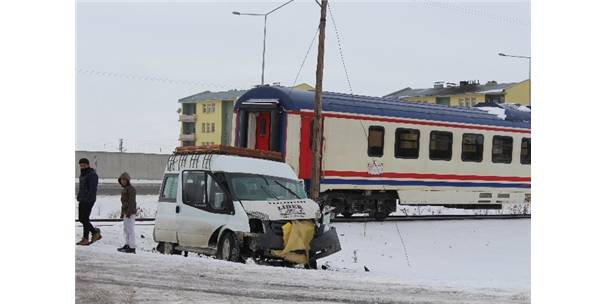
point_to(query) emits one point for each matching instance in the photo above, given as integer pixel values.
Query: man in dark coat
(87, 195)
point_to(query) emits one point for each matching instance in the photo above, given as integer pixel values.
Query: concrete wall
(112, 164)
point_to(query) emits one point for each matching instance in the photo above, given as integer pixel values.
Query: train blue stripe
(335, 181)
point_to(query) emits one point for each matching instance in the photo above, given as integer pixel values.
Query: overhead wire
(149, 78)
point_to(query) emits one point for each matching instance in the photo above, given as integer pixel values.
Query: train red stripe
(426, 176)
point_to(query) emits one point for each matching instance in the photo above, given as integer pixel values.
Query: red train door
(262, 132)
(305, 155)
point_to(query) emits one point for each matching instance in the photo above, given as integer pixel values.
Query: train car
(376, 151)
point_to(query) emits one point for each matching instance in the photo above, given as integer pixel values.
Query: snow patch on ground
(108, 206)
(471, 261)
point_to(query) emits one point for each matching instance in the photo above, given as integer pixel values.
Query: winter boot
(121, 249)
(96, 235)
(84, 242)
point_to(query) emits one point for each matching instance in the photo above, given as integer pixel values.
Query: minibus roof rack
(229, 150)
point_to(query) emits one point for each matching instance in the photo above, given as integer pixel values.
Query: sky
(135, 59)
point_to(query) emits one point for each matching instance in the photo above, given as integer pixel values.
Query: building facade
(467, 93)
(206, 118)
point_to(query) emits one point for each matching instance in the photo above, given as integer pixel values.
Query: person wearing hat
(87, 195)
(128, 212)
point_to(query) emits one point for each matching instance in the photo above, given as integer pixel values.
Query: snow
(499, 112)
(523, 109)
(108, 206)
(132, 181)
(471, 261)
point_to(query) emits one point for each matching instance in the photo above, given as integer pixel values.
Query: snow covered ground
(108, 206)
(472, 261)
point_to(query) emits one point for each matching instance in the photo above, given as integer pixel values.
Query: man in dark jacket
(128, 212)
(87, 195)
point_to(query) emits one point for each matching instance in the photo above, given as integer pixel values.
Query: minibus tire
(233, 253)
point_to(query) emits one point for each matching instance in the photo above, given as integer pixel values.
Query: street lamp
(264, 32)
(529, 69)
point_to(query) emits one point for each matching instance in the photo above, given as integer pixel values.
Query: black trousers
(84, 210)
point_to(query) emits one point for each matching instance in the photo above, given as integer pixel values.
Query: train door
(305, 145)
(263, 131)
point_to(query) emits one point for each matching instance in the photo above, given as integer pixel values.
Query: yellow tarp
(297, 236)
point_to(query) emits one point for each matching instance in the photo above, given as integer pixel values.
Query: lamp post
(264, 32)
(529, 70)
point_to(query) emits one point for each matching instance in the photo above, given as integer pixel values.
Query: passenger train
(377, 151)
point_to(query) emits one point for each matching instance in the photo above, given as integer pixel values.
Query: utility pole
(121, 145)
(316, 167)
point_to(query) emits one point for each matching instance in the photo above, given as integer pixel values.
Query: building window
(203, 127)
(472, 147)
(375, 141)
(440, 145)
(212, 127)
(525, 152)
(407, 143)
(189, 108)
(502, 147)
(189, 128)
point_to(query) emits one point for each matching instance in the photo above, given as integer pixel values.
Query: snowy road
(106, 276)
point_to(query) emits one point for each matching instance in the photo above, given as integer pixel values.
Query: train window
(375, 141)
(502, 147)
(407, 143)
(525, 152)
(472, 147)
(440, 145)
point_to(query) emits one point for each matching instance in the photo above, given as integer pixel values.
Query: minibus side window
(169, 188)
(217, 198)
(194, 189)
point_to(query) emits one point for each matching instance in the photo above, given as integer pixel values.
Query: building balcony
(187, 137)
(187, 118)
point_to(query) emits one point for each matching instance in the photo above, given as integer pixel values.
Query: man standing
(87, 195)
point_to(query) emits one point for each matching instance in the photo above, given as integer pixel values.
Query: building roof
(489, 88)
(297, 100)
(208, 95)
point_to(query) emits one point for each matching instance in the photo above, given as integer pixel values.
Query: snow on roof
(499, 112)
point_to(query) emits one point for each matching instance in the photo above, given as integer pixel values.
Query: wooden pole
(316, 167)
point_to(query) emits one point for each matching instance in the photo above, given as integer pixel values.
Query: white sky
(387, 46)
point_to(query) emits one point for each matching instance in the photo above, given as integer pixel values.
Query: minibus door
(165, 227)
(204, 209)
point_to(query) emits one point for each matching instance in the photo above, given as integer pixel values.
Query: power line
(91, 72)
(305, 58)
(475, 12)
(340, 48)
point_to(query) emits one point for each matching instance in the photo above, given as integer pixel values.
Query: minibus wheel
(228, 249)
(165, 248)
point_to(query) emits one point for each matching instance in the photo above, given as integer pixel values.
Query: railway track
(393, 218)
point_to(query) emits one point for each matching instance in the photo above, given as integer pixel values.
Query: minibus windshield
(256, 187)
